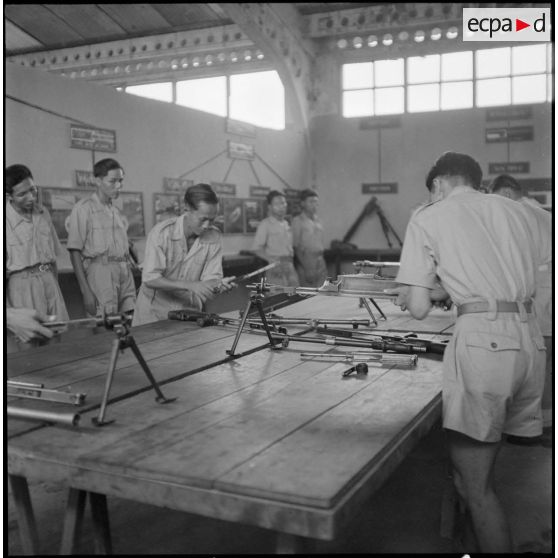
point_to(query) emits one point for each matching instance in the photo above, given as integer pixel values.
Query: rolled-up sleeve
(155, 259)
(417, 266)
(77, 232)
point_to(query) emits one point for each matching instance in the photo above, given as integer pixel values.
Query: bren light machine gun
(119, 323)
(359, 285)
(363, 286)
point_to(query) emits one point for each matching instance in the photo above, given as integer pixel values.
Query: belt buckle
(44, 267)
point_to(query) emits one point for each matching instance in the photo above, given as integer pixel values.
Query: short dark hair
(200, 193)
(506, 181)
(308, 194)
(274, 194)
(101, 168)
(13, 175)
(456, 164)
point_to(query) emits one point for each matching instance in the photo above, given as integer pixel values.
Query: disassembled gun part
(37, 391)
(390, 359)
(360, 368)
(71, 419)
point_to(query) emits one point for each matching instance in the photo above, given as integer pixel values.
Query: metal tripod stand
(124, 339)
(256, 299)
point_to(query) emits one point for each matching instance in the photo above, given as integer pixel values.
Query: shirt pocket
(98, 238)
(19, 250)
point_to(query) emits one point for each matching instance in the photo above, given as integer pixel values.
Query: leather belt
(37, 268)
(482, 306)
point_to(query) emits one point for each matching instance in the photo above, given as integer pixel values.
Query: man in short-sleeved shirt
(182, 267)
(484, 250)
(98, 244)
(308, 242)
(505, 185)
(32, 246)
(274, 242)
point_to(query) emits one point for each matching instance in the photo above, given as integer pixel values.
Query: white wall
(154, 140)
(345, 157)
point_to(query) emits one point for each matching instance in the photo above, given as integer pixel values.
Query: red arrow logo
(519, 25)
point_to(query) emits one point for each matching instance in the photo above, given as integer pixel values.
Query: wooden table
(263, 439)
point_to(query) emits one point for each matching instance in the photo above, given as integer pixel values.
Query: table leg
(25, 518)
(101, 527)
(293, 544)
(73, 517)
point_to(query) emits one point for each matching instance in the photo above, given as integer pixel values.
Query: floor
(402, 517)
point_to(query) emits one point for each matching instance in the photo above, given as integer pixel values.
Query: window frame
(474, 80)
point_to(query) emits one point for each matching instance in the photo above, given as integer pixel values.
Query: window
(256, 97)
(513, 75)
(456, 80)
(206, 94)
(156, 91)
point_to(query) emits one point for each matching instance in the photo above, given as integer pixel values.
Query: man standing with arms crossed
(485, 250)
(98, 245)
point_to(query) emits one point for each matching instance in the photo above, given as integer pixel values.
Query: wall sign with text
(224, 189)
(509, 113)
(512, 133)
(94, 139)
(241, 150)
(380, 188)
(259, 191)
(508, 168)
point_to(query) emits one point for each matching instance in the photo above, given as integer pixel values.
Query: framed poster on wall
(165, 205)
(254, 212)
(59, 203)
(131, 205)
(233, 212)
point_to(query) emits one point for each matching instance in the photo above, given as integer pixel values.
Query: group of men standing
(490, 255)
(297, 249)
(182, 266)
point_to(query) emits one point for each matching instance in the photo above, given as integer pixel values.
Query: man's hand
(401, 295)
(90, 303)
(25, 323)
(226, 284)
(440, 298)
(203, 289)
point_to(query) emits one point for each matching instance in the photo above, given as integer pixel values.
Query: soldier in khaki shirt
(274, 242)
(182, 267)
(308, 242)
(31, 248)
(505, 185)
(485, 250)
(98, 245)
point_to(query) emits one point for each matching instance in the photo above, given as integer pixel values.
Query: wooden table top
(265, 439)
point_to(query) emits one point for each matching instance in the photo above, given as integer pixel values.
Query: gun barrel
(70, 419)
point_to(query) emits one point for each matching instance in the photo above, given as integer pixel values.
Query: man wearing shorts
(485, 250)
